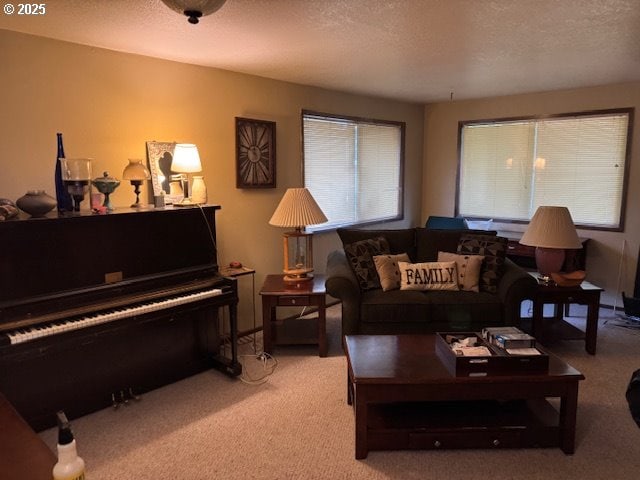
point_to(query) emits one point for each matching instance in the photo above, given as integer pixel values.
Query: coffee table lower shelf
(463, 424)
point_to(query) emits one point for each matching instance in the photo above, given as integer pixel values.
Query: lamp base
(549, 260)
(185, 202)
(301, 278)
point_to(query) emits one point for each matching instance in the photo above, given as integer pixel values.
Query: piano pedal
(123, 399)
(133, 396)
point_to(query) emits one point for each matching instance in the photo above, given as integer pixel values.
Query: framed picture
(160, 156)
(255, 153)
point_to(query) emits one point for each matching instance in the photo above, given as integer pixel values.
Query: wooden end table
(276, 292)
(548, 293)
(404, 398)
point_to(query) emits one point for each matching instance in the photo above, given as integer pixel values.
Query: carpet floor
(297, 424)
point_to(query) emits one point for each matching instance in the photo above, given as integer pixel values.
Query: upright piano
(98, 309)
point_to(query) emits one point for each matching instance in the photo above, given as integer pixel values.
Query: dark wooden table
(404, 398)
(276, 292)
(23, 454)
(551, 328)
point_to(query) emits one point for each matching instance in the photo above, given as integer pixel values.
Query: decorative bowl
(571, 279)
(36, 203)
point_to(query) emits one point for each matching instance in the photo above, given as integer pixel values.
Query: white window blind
(510, 168)
(353, 168)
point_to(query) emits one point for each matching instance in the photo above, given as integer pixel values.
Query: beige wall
(108, 104)
(605, 260)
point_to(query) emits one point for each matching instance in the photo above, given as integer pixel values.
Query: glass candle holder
(76, 176)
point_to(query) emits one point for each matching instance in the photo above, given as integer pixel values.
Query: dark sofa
(374, 311)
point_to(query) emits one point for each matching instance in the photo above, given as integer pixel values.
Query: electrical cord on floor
(269, 364)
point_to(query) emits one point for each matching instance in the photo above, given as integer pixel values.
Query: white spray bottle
(70, 466)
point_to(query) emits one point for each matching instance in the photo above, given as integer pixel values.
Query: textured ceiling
(416, 50)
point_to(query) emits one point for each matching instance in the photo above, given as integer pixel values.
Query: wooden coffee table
(404, 398)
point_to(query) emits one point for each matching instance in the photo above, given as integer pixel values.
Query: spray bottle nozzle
(65, 435)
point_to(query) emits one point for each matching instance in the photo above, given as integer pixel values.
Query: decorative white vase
(198, 190)
(175, 188)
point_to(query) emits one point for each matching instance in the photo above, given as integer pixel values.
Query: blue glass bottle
(62, 195)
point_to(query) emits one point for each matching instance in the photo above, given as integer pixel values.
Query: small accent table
(584, 294)
(229, 271)
(276, 292)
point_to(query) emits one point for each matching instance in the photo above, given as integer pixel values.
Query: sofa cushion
(413, 311)
(428, 276)
(388, 270)
(494, 250)
(360, 255)
(469, 267)
(400, 241)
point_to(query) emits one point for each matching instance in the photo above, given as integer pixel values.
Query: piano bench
(24, 454)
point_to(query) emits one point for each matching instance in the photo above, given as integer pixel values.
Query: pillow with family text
(428, 276)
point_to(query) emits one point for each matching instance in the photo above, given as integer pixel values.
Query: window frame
(630, 111)
(359, 120)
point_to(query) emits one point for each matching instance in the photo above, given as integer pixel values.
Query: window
(353, 168)
(508, 168)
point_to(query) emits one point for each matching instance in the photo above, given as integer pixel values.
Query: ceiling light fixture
(194, 9)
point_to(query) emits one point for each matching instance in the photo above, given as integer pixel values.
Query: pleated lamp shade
(551, 227)
(297, 209)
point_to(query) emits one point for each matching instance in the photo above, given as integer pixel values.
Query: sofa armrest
(515, 286)
(341, 283)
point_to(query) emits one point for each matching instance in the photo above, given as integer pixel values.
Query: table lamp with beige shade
(551, 231)
(297, 209)
(186, 160)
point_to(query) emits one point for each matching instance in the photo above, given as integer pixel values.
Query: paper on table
(523, 351)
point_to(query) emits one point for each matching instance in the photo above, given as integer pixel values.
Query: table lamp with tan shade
(551, 231)
(297, 209)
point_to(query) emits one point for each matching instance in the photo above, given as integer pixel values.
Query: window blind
(353, 169)
(510, 168)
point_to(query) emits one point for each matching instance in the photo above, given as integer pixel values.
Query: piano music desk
(276, 293)
(23, 454)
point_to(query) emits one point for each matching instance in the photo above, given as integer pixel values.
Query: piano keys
(110, 313)
(27, 334)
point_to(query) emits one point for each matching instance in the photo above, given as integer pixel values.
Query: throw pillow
(360, 255)
(388, 270)
(469, 267)
(428, 276)
(494, 250)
